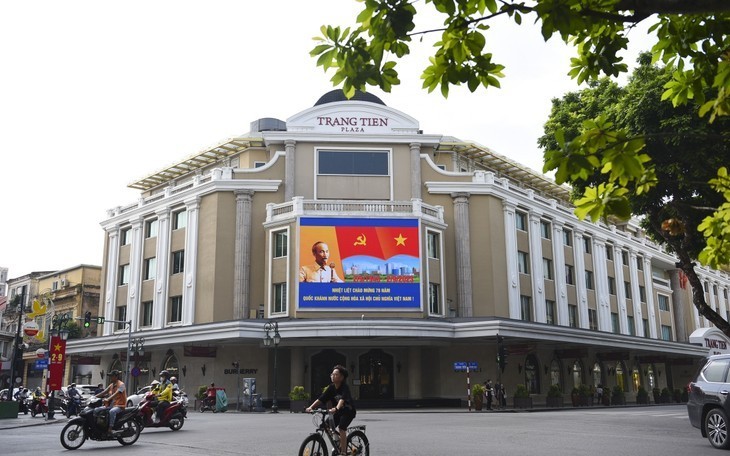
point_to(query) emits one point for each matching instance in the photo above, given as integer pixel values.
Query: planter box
(523, 402)
(297, 406)
(8, 409)
(554, 402)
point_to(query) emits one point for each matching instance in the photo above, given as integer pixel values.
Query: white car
(136, 398)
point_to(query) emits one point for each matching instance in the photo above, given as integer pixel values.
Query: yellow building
(423, 248)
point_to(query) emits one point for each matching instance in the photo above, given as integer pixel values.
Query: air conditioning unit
(64, 283)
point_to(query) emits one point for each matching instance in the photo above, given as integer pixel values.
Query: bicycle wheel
(313, 445)
(357, 444)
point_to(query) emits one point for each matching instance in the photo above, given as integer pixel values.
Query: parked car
(708, 406)
(136, 398)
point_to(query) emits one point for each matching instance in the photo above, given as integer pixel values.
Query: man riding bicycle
(344, 406)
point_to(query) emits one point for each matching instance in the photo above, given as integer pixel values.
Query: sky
(94, 95)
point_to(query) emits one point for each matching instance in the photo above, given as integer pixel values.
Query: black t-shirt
(335, 394)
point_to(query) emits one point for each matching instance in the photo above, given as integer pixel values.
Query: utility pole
(20, 300)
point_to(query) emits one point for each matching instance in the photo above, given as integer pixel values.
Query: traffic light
(501, 353)
(87, 319)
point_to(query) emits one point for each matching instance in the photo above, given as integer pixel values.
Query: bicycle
(315, 445)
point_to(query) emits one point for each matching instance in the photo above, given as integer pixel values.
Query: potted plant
(575, 397)
(477, 392)
(666, 396)
(657, 393)
(522, 397)
(554, 397)
(617, 395)
(677, 395)
(299, 399)
(200, 395)
(642, 396)
(606, 397)
(585, 395)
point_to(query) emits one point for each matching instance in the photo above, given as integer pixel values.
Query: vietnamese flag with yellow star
(56, 363)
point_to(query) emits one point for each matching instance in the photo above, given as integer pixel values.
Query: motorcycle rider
(210, 395)
(37, 396)
(164, 395)
(22, 396)
(115, 397)
(74, 399)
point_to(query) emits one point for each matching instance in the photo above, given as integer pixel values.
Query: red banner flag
(56, 363)
(377, 242)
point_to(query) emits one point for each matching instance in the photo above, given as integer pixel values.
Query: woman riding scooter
(163, 391)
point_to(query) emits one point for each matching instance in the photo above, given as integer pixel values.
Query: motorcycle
(38, 406)
(23, 405)
(92, 424)
(208, 403)
(70, 406)
(173, 416)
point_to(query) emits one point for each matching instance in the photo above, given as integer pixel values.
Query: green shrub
(477, 390)
(521, 391)
(554, 391)
(201, 392)
(666, 396)
(298, 394)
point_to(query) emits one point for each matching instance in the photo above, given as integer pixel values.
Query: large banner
(57, 363)
(359, 264)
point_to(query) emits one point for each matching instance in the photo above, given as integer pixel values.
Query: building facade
(399, 254)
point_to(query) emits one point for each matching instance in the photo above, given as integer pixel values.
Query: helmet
(173, 379)
(114, 373)
(155, 382)
(165, 374)
(37, 388)
(72, 385)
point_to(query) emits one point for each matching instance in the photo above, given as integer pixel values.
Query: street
(593, 431)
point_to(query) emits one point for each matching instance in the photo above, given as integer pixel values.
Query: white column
(580, 277)
(162, 275)
(561, 293)
(649, 286)
(463, 254)
(635, 296)
(415, 170)
(510, 230)
(722, 307)
(134, 287)
(242, 260)
(290, 163)
(112, 269)
(623, 314)
(191, 261)
(600, 279)
(695, 312)
(538, 281)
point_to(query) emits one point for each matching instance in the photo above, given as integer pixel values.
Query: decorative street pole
(57, 353)
(271, 328)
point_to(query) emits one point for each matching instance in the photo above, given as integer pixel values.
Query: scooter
(208, 403)
(173, 416)
(70, 406)
(93, 422)
(38, 406)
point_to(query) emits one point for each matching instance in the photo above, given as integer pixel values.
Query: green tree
(679, 150)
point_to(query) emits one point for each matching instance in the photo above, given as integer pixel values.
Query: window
(547, 269)
(526, 308)
(609, 252)
(441, 167)
(716, 371)
(631, 324)
(121, 317)
(611, 285)
(625, 257)
(627, 290)
(279, 298)
(569, 275)
(147, 313)
(640, 263)
(124, 236)
(646, 327)
(567, 237)
(666, 332)
(642, 293)
(587, 244)
(544, 229)
(592, 320)
(178, 261)
(347, 162)
(663, 302)
(550, 312)
(572, 315)
(54, 287)
(150, 228)
(614, 323)
(175, 309)
(434, 298)
(258, 164)
(281, 244)
(150, 268)
(433, 240)
(124, 274)
(179, 219)
(523, 262)
(521, 221)
(589, 280)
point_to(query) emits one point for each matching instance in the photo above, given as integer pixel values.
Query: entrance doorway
(322, 364)
(376, 375)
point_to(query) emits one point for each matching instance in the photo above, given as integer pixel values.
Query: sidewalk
(27, 420)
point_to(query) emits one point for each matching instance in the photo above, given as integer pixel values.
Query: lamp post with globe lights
(272, 336)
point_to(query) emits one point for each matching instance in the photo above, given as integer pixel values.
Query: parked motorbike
(38, 406)
(92, 423)
(173, 416)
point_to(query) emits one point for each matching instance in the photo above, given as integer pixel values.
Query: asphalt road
(659, 430)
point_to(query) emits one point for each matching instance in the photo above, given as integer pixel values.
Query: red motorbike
(38, 407)
(173, 416)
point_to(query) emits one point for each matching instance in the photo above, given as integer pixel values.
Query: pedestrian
(503, 399)
(488, 391)
(599, 394)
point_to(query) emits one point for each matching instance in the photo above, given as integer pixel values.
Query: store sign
(713, 339)
(461, 366)
(359, 264)
(352, 123)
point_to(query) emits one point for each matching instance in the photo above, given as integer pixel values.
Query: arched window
(555, 373)
(171, 364)
(577, 373)
(621, 378)
(596, 374)
(532, 375)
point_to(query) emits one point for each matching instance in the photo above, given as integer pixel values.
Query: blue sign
(41, 364)
(460, 366)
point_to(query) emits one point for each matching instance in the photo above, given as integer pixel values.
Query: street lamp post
(237, 365)
(271, 330)
(59, 328)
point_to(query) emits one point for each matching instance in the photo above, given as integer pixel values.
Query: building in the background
(3, 281)
(399, 254)
(69, 292)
